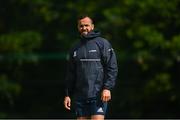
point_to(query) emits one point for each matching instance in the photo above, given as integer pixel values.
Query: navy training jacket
(92, 66)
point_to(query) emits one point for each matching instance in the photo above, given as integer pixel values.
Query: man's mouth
(84, 32)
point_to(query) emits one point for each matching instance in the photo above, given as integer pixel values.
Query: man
(92, 71)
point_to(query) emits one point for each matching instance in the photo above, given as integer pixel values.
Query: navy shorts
(88, 107)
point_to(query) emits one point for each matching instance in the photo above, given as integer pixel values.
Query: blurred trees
(36, 35)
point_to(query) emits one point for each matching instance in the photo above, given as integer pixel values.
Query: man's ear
(92, 26)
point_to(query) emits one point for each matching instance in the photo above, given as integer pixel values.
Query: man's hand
(106, 95)
(67, 102)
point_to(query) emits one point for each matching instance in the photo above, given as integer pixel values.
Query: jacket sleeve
(70, 76)
(110, 66)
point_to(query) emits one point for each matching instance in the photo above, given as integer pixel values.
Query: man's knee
(97, 117)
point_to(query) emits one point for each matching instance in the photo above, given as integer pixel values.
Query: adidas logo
(100, 110)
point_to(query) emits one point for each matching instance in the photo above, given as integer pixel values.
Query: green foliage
(17, 46)
(160, 83)
(20, 41)
(7, 88)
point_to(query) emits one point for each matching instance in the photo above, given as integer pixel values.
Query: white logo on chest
(75, 54)
(92, 51)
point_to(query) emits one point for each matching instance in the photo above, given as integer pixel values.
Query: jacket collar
(90, 35)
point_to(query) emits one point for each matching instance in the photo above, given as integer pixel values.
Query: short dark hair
(84, 16)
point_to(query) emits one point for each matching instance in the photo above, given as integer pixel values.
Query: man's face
(85, 26)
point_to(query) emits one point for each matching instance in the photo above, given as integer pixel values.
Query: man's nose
(84, 27)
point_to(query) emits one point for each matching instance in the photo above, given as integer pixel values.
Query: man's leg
(82, 118)
(97, 117)
(98, 110)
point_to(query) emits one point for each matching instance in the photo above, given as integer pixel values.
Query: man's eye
(84, 26)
